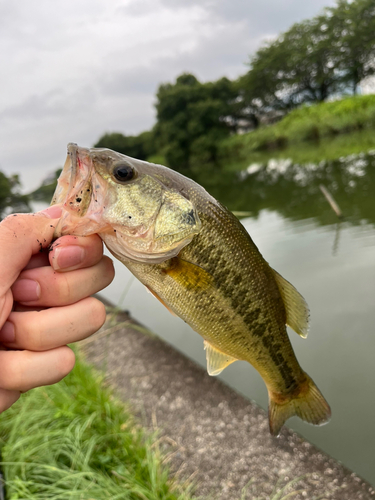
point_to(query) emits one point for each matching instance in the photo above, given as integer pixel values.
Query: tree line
(314, 60)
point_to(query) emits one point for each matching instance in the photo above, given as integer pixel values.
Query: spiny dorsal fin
(216, 360)
(297, 310)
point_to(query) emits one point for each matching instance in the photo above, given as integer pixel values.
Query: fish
(198, 260)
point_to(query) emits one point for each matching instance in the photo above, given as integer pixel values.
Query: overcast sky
(73, 70)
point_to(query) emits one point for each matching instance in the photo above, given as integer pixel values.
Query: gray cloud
(270, 15)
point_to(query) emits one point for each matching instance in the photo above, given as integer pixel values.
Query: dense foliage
(323, 131)
(139, 146)
(315, 59)
(192, 118)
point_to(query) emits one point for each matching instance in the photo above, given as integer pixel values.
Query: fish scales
(199, 261)
(231, 319)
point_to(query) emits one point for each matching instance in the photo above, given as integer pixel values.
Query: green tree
(10, 197)
(300, 66)
(262, 89)
(192, 117)
(352, 25)
(140, 146)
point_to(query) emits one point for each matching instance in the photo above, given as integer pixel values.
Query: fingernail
(53, 212)
(25, 290)
(7, 333)
(66, 257)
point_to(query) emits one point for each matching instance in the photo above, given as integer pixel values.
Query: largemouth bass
(199, 261)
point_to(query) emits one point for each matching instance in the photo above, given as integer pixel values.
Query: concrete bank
(213, 436)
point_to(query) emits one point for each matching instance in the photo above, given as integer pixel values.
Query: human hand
(45, 300)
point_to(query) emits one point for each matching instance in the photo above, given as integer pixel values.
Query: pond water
(331, 262)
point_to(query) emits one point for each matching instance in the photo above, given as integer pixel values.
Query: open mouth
(74, 192)
(75, 174)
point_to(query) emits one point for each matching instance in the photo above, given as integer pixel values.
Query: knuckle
(10, 221)
(13, 225)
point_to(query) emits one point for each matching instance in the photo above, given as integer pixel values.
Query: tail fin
(309, 405)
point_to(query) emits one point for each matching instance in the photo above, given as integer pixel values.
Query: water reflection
(294, 190)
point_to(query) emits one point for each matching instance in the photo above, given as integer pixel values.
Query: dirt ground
(214, 437)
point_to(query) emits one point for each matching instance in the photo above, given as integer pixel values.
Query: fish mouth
(76, 193)
(67, 180)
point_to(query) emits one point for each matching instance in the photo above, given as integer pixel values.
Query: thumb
(21, 236)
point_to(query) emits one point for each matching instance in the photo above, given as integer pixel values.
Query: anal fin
(216, 360)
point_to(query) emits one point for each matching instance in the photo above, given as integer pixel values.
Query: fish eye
(123, 172)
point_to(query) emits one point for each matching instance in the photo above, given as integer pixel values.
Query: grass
(309, 133)
(74, 440)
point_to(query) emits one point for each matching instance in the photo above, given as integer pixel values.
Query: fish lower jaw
(74, 224)
(125, 248)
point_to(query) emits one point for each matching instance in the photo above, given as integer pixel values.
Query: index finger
(21, 236)
(75, 252)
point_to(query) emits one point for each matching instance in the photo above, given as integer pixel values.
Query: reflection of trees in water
(293, 190)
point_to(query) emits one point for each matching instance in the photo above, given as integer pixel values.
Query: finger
(21, 236)
(50, 328)
(6, 302)
(38, 260)
(73, 252)
(7, 398)
(24, 370)
(45, 287)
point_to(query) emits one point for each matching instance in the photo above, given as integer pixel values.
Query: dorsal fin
(216, 360)
(297, 310)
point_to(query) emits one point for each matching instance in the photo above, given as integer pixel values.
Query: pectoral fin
(189, 275)
(216, 360)
(297, 310)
